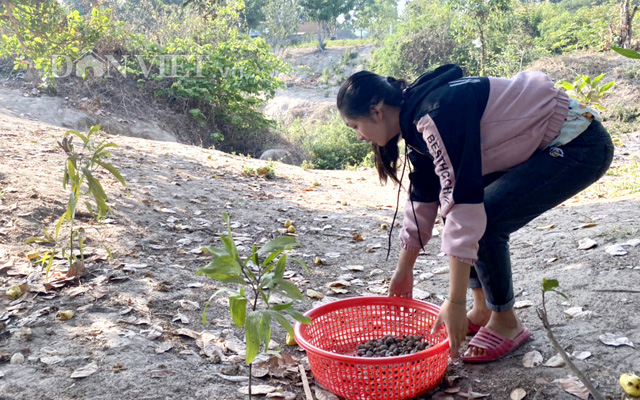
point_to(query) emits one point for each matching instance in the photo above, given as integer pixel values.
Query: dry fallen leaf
(312, 294)
(532, 359)
(189, 305)
(452, 390)
(324, 395)
(182, 318)
(473, 395)
(257, 389)
(545, 228)
(163, 347)
(522, 304)
(420, 294)
(233, 378)
(572, 385)
(586, 244)
(85, 371)
(581, 356)
(518, 394)
(611, 340)
(154, 332)
(616, 250)
(555, 361)
(281, 395)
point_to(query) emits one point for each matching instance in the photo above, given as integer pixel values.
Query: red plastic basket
(337, 328)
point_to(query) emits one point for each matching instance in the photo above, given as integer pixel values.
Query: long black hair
(357, 95)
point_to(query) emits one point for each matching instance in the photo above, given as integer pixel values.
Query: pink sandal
(472, 328)
(494, 345)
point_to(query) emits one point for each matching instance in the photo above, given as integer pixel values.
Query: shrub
(330, 145)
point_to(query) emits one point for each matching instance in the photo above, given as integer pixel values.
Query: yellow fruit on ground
(32, 255)
(317, 261)
(291, 229)
(631, 384)
(384, 227)
(14, 292)
(290, 340)
(287, 223)
(65, 315)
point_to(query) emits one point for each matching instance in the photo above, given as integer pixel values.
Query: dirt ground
(136, 331)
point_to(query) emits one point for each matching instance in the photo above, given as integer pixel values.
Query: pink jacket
(522, 115)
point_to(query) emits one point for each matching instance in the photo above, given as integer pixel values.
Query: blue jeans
(514, 198)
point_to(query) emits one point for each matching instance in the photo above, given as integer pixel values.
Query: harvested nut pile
(388, 346)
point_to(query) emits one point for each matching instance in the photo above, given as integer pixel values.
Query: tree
(626, 21)
(281, 21)
(485, 14)
(375, 16)
(324, 12)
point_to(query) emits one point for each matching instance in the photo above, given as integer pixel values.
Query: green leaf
(280, 267)
(238, 308)
(216, 251)
(230, 246)
(267, 263)
(597, 79)
(298, 316)
(626, 52)
(220, 268)
(252, 335)
(288, 288)
(549, 284)
(561, 294)
(37, 240)
(265, 329)
(566, 85)
(281, 307)
(607, 86)
(282, 320)
(301, 263)
(278, 244)
(63, 217)
(113, 171)
(206, 304)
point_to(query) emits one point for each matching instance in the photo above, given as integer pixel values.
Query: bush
(562, 29)
(330, 145)
(422, 41)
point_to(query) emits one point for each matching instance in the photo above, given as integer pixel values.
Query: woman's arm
(453, 313)
(402, 281)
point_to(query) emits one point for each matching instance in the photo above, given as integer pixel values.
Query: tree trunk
(626, 20)
(320, 36)
(483, 53)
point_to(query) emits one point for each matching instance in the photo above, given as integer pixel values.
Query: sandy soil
(176, 196)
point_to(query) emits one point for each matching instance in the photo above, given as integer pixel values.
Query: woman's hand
(454, 318)
(402, 283)
(402, 280)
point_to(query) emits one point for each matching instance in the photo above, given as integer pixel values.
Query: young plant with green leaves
(79, 177)
(251, 282)
(586, 90)
(551, 285)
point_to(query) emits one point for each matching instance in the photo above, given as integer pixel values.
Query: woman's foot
(479, 314)
(505, 324)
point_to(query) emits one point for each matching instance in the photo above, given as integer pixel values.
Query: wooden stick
(542, 313)
(305, 383)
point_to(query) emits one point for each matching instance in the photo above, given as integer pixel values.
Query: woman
(492, 154)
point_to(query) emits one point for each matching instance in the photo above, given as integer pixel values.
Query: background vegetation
(228, 60)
